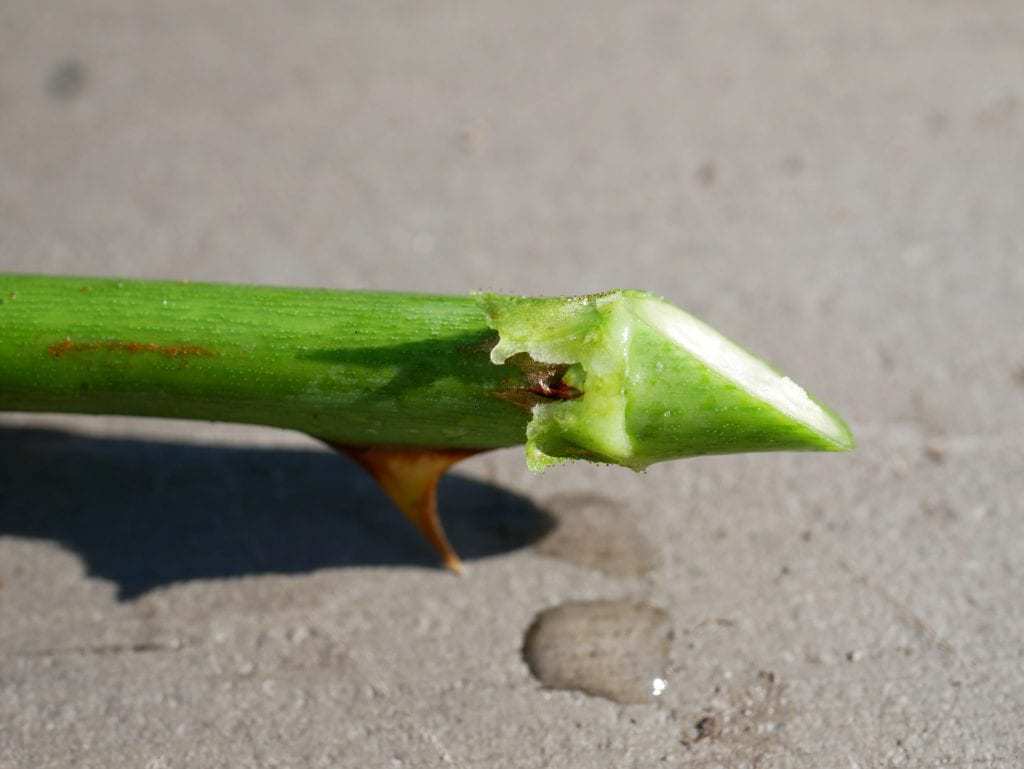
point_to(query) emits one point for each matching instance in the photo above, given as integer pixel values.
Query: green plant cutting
(406, 384)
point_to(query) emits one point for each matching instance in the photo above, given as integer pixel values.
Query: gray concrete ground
(836, 185)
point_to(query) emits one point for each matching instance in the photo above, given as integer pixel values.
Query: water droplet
(612, 649)
(597, 533)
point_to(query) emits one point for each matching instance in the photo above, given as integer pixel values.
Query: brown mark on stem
(66, 347)
(545, 382)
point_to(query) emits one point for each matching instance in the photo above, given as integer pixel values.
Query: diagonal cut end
(650, 383)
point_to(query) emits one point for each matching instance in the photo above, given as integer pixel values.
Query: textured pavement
(838, 186)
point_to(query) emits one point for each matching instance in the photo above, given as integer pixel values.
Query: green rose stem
(406, 384)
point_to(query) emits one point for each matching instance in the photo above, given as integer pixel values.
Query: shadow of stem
(146, 514)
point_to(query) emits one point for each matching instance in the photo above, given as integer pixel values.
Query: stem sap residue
(612, 649)
(544, 383)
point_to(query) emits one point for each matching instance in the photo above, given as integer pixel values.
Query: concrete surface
(836, 185)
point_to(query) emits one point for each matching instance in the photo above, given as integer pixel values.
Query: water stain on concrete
(67, 80)
(707, 174)
(793, 165)
(608, 648)
(598, 533)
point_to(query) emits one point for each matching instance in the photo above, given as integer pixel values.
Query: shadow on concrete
(147, 514)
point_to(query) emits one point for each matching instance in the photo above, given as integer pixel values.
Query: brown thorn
(409, 476)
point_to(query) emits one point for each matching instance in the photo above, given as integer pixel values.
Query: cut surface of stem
(655, 384)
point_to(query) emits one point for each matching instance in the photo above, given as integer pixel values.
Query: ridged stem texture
(621, 377)
(357, 368)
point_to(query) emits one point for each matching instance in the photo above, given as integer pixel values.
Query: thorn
(410, 477)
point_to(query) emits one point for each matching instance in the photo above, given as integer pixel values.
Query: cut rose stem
(405, 383)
